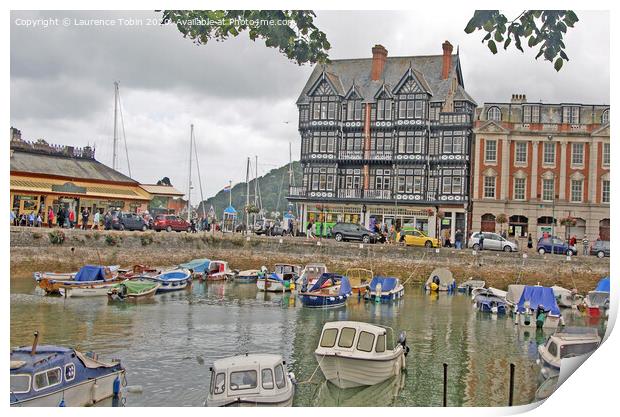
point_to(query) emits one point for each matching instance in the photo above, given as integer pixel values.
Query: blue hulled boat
(247, 277)
(490, 304)
(384, 289)
(330, 290)
(50, 376)
(197, 267)
(174, 280)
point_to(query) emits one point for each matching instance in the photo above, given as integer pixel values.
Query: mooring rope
(415, 269)
(313, 373)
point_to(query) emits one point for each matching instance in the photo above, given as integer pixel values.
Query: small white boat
(251, 380)
(567, 298)
(280, 280)
(353, 354)
(218, 271)
(570, 342)
(489, 292)
(92, 290)
(248, 276)
(384, 289)
(440, 280)
(66, 276)
(471, 284)
(173, 280)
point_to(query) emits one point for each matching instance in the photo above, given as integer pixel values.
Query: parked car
(170, 222)
(492, 241)
(351, 231)
(600, 248)
(269, 228)
(546, 244)
(128, 221)
(415, 237)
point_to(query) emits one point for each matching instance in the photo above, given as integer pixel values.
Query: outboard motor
(402, 340)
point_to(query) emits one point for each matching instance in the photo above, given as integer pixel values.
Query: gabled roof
(491, 126)
(344, 73)
(64, 166)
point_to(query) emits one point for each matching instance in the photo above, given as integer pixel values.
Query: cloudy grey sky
(240, 94)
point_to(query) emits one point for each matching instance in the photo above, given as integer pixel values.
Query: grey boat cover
(92, 363)
(514, 292)
(445, 276)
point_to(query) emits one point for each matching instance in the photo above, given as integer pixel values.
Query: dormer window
(354, 110)
(570, 114)
(605, 117)
(384, 109)
(494, 113)
(531, 114)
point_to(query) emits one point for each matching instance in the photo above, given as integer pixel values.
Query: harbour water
(167, 345)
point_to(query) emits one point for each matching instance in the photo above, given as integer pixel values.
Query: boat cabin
(247, 376)
(354, 337)
(287, 271)
(568, 343)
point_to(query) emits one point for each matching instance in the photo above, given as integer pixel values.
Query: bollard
(512, 384)
(445, 384)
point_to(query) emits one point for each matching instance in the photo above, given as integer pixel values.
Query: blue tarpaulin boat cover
(326, 276)
(197, 265)
(90, 273)
(173, 275)
(345, 286)
(387, 283)
(603, 285)
(537, 295)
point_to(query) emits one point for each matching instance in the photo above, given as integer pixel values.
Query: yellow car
(414, 237)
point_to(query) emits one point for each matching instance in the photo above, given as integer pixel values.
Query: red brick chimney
(379, 57)
(447, 59)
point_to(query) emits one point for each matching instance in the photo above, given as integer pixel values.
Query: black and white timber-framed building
(386, 140)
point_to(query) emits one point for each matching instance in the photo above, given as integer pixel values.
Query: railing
(381, 155)
(350, 193)
(297, 191)
(351, 154)
(378, 194)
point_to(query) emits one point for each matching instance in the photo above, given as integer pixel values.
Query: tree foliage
(298, 38)
(165, 181)
(536, 27)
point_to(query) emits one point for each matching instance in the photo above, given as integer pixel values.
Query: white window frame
(34, 379)
(494, 113)
(517, 161)
(573, 153)
(606, 155)
(542, 196)
(486, 187)
(551, 145)
(514, 192)
(573, 183)
(487, 142)
(605, 117)
(29, 384)
(603, 192)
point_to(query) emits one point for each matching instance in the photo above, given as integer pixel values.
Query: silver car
(492, 241)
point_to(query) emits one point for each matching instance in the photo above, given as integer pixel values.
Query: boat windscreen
(387, 283)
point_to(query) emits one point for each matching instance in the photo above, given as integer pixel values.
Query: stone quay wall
(32, 250)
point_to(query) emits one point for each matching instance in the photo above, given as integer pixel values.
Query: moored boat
(440, 280)
(567, 298)
(251, 380)
(197, 267)
(352, 354)
(65, 276)
(490, 304)
(173, 280)
(537, 308)
(597, 301)
(248, 276)
(133, 290)
(311, 273)
(359, 279)
(470, 285)
(218, 271)
(87, 275)
(280, 280)
(569, 342)
(330, 290)
(384, 289)
(51, 376)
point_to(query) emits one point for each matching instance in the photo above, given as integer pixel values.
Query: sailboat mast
(247, 192)
(291, 178)
(189, 181)
(230, 192)
(115, 140)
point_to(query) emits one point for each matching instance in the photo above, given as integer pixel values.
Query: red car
(170, 222)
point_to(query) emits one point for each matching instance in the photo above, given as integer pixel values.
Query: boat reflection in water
(379, 395)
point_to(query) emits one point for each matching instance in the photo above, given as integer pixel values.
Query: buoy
(116, 387)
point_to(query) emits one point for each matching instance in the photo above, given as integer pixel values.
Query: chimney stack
(447, 59)
(518, 98)
(379, 57)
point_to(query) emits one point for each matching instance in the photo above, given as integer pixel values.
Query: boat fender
(116, 387)
(62, 403)
(94, 392)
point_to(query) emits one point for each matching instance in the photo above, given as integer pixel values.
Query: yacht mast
(247, 192)
(189, 181)
(115, 140)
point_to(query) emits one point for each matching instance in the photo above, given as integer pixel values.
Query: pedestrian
(60, 221)
(39, 220)
(71, 218)
(85, 216)
(530, 243)
(309, 234)
(392, 234)
(13, 217)
(50, 218)
(107, 221)
(446, 238)
(193, 225)
(458, 239)
(96, 220)
(31, 219)
(481, 240)
(573, 240)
